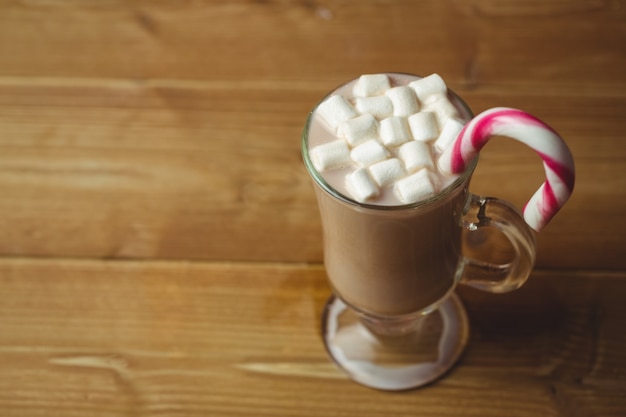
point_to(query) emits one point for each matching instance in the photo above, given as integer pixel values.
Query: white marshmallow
(331, 155)
(427, 86)
(387, 171)
(336, 109)
(359, 130)
(443, 108)
(361, 186)
(415, 155)
(371, 85)
(424, 126)
(369, 153)
(379, 106)
(449, 133)
(415, 187)
(394, 131)
(404, 101)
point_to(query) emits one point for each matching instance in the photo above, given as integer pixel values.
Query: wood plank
(548, 46)
(213, 171)
(90, 338)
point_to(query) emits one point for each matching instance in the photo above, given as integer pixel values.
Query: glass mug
(394, 321)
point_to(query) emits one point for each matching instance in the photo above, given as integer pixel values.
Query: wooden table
(159, 238)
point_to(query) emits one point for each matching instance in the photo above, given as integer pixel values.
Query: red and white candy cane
(516, 124)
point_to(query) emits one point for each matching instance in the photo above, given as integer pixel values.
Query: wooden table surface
(160, 244)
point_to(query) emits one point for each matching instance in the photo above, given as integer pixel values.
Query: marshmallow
(449, 133)
(404, 101)
(336, 109)
(427, 86)
(379, 106)
(361, 186)
(442, 107)
(330, 155)
(415, 155)
(394, 131)
(387, 171)
(424, 126)
(369, 153)
(371, 85)
(415, 187)
(359, 130)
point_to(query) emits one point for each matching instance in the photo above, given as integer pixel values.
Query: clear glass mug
(394, 321)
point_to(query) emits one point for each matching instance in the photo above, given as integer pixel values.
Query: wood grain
(524, 43)
(160, 245)
(94, 338)
(169, 130)
(214, 172)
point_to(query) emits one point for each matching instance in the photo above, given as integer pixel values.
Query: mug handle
(486, 222)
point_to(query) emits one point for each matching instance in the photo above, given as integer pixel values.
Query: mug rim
(324, 185)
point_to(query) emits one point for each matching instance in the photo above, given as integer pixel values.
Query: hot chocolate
(383, 148)
(386, 253)
(391, 156)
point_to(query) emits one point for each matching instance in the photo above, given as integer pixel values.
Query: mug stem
(395, 353)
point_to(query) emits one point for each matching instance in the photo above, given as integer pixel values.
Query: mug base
(396, 362)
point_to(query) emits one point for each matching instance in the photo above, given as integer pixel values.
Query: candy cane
(516, 124)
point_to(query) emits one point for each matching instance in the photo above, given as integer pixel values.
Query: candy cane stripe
(526, 128)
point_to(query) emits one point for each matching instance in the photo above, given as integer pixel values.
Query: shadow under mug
(394, 321)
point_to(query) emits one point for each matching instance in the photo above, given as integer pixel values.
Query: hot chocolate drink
(391, 157)
(391, 220)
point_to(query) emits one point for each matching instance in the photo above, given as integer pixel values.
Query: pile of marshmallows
(390, 136)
